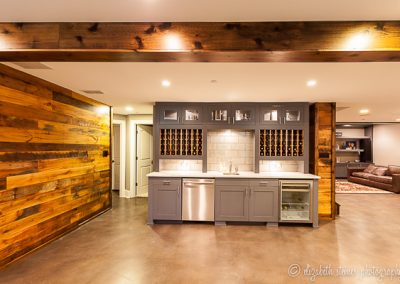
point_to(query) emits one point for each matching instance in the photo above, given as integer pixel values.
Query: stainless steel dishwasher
(198, 199)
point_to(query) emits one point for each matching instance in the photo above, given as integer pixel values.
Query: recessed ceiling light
(165, 83)
(364, 111)
(129, 108)
(347, 125)
(311, 83)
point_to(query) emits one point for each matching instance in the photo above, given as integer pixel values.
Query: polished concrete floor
(118, 247)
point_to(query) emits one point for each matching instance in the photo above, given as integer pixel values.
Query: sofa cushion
(382, 179)
(380, 171)
(393, 170)
(370, 169)
(362, 175)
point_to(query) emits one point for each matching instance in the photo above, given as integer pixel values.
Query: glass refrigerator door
(295, 205)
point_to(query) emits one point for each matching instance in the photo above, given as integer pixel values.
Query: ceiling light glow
(398, 119)
(165, 83)
(311, 83)
(173, 42)
(364, 111)
(129, 108)
(359, 41)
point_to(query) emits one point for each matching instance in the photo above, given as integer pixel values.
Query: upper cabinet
(282, 114)
(230, 114)
(173, 114)
(233, 115)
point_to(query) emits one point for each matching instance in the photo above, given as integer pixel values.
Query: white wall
(387, 144)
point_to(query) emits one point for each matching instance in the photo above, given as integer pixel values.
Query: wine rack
(181, 142)
(281, 143)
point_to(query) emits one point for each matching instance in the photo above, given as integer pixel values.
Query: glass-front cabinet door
(192, 114)
(218, 114)
(170, 115)
(243, 114)
(270, 115)
(293, 115)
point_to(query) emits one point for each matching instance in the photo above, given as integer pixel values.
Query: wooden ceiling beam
(202, 42)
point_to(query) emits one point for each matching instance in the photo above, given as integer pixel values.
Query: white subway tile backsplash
(181, 165)
(282, 166)
(230, 145)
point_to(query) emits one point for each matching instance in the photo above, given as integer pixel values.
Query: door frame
(136, 123)
(122, 168)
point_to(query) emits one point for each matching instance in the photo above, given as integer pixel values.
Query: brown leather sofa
(387, 178)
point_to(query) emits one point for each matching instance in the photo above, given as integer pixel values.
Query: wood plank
(50, 147)
(50, 175)
(8, 134)
(17, 168)
(40, 155)
(201, 41)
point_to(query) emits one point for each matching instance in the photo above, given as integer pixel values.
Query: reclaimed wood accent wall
(54, 168)
(322, 154)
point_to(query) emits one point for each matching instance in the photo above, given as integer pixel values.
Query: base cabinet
(246, 200)
(166, 201)
(264, 201)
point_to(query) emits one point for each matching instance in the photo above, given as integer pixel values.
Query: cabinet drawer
(165, 183)
(267, 183)
(232, 181)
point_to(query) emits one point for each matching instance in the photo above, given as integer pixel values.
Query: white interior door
(116, 152)
(144, 154)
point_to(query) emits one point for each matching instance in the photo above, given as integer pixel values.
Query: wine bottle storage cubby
(181, 142)
(281, 143)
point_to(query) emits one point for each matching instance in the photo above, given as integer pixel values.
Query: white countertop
(277, 175)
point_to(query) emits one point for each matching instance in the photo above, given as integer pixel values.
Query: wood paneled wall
(53, 174)
(322, 154)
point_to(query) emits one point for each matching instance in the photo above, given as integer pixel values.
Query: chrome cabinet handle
(166, 182)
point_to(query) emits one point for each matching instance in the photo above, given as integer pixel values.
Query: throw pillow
(394, 170)
(370, 169)
(380, 171)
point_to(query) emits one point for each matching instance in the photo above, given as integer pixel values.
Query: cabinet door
(218, 114)
(166, 199)
(192, 114)
(264, 201)
(243, 114)
(231, 201)
(169, 114)
(293, 114)
(270, 115)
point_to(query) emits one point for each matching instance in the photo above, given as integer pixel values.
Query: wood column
(322, 154)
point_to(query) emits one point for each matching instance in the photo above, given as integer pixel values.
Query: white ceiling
(195, 10)
(374, 86)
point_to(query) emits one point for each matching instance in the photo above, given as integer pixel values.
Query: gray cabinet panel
(264, 204)
(341, 170)
(231, 202)
(166, 199)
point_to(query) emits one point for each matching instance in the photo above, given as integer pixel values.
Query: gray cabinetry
(231, 200)
(231, 115)
(264, 201)
(165, 199)
(246, 200)
(178, 113)
(287, 114)
(341, 170)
